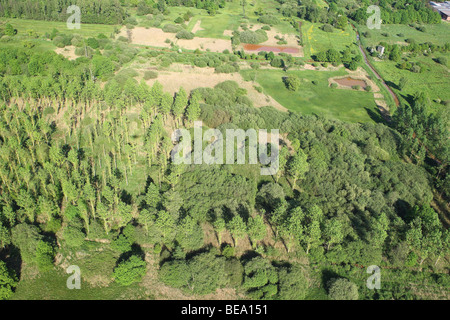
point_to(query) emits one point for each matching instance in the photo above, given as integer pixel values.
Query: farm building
(443, 8)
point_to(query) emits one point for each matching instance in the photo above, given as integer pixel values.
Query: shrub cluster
(253, 37)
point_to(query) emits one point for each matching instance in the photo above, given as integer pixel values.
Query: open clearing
(68, 52)
(318, 98)
(197, 27)
(316, 40)
(191, 77)
(42, 27)
(157, 38)
(395, 33)
(291, 39)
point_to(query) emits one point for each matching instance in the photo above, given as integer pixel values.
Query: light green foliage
(27, 238)
(201, 274)
(256, 229)
(424, 234)
(292, 83)
(253, 37)
(184, 34)
(293, 283)
(342, 289)
(193, 109)
(130, 271)
(179, 104)
(9, 30)
(175, 273)
(44, 256)
(121, 244)
(260, 278)
(237, 228)
(333, 232)
(298, 166)
(5, 237)
(190, 234)
(8, 282)
(73, 234)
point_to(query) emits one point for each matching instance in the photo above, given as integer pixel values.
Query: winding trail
(385, 112)
(436, 204)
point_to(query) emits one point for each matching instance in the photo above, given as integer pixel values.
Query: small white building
(380, 50)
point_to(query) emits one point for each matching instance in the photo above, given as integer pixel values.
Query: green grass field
(228, 18)
(316, 40)
(52, 286)
(434, 78)
(42, 27)
(437, 34)
(320, 99)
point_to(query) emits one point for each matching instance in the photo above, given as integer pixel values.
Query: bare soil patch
(378, 96)
(359, 74)
(149, 37)
(292, 42)
(211, 44)
(197, 27)
(157, 38)
(350, 82)
(68, 52)
(382, 103)
(191, 77)
(228, 33)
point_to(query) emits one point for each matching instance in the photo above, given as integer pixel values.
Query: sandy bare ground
(191, 77)
(290, 38)
(211, 44)
(68, 52)
(378, 96)
(382, 103)
(197, 27)
(321, 68)
(157, 38)
(228, 33)
(149, 37)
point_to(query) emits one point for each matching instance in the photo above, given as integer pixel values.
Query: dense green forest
(92, 11)
(399, 12)
(85, 162)
(79, 162)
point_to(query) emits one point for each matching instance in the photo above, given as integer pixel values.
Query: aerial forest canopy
(92, 11)
(87, 177)
(399, 12)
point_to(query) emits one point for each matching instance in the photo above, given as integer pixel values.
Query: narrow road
(384, 112)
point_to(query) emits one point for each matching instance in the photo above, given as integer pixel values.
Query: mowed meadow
(316, 40)
(434, 78)
(315, 96)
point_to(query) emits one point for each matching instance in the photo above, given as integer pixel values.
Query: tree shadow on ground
(11, 256)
